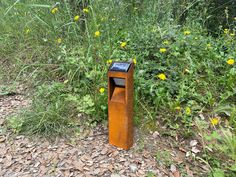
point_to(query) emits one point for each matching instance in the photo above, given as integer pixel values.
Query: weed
(64, 49)
(164, 158)
(150, 174)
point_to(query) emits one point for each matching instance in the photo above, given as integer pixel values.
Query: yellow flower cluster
(187, 32)
(230, 61)
(123, 44)
(54, 10)
(226, 31)
(177, 108)
(76, 18)
(59, 40)
(97, 33)
(162, 76)
(186, 70)
(214, 121)
(102, 90)
(165, 42)
(86, 10)
(209, 45)
(163, 50)
(134, 60)
(109, 61)
(187, 110)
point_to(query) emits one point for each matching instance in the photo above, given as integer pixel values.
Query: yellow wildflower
(232, 34)
(165, 42)
(54, 10)
(134, 60)
(235, 18)
(226, 31)
(186, 70)
(102, 90)
(123, 44)
(86, 10)
(177, 108)
(208, 45)
(97, 34)
(109, 61)
(214, 121)
(162, 76)
(163, 50)
(76, 18)
(187, 110)
(59, 40)
(187, 32)
(27, 31)
(230, 61)
(66, 81)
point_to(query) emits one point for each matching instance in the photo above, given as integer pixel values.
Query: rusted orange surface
(118, 95)
(120, 109)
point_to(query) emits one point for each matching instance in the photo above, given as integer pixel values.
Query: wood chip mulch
(77, 156)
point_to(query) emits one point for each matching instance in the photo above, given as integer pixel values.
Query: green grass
(67, 63)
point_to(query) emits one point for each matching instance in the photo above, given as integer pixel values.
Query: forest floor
(89, 154)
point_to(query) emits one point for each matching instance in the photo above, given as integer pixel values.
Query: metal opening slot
(119, 82)
(118, 90)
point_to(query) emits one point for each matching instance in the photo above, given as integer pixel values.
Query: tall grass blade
(8, 10)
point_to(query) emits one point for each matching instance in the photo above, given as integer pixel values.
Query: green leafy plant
(64, 49)
(15, 123)
(164, 158)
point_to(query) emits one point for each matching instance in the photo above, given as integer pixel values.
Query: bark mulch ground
(87, 154)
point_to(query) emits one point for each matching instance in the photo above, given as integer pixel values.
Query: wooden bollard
(120, 104)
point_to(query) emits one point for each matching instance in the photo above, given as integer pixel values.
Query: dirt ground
(89, 153)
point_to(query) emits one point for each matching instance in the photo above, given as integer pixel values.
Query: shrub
(65, 49)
